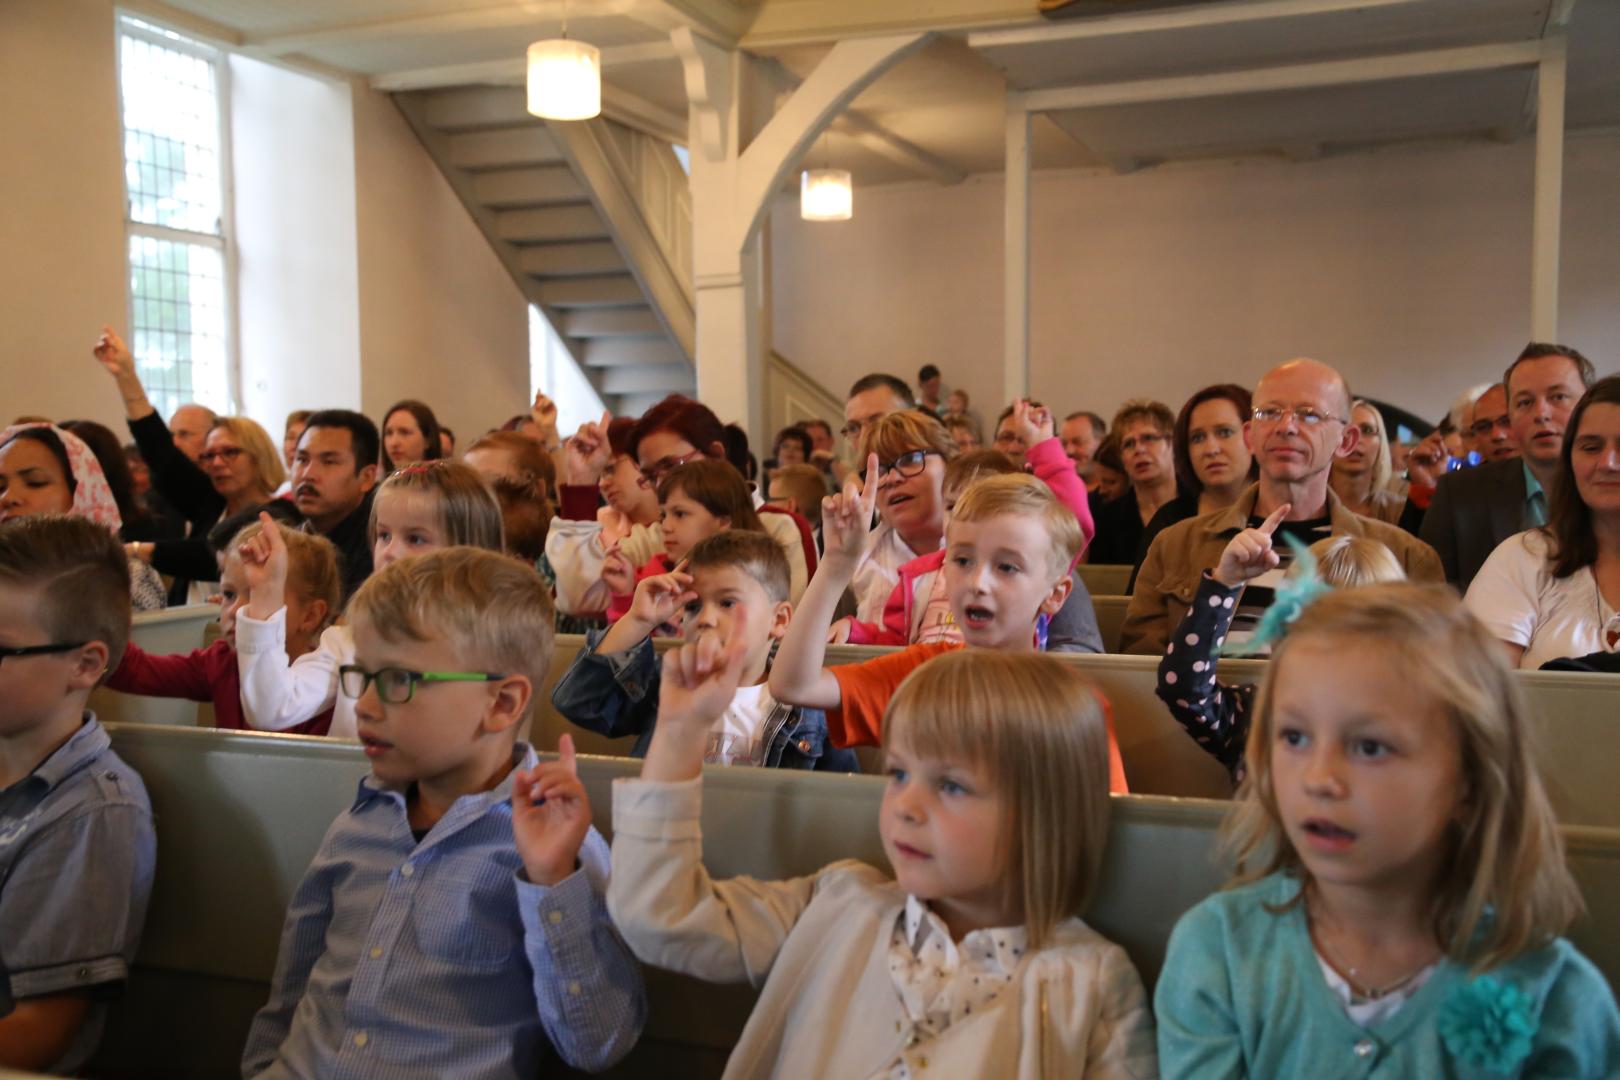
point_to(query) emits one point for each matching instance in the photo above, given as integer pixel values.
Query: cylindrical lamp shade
(565, 80)
(826, 195)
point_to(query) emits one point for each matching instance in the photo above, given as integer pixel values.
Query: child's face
(735, 606)
(686, 522)
(999, 578)
(233, 596)
(31, 481)
(1368, 775)
(36, 688)
(440, 737)
(945, 827)
(406, 525)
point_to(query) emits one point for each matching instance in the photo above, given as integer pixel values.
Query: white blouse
(1517, 598)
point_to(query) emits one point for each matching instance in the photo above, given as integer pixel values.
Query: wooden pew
(1105, 579)
(1110, 612)
(172, 630)
(239, 817)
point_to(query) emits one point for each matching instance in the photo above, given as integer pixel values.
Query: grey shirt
(77, 852)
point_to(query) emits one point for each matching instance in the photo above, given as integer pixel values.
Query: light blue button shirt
(440, 958)
(1535, 499)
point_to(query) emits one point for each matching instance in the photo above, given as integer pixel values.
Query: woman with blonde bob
(912, 451)
(1361, 478)
(972, 961)
(1400, 886)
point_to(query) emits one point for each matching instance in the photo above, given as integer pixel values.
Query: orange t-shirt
(864, 691)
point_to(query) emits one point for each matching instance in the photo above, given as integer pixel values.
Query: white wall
(1407, 268)
(61, 208)
(440, 318)
(297, 270)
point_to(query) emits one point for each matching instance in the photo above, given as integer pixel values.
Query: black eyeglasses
(907, 464)
(228, 453)
(39, 650)
(396, 686)
(1485, 427)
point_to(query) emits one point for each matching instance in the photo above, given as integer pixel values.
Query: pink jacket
(1048, 461)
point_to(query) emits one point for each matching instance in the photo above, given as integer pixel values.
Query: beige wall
(440, 319)
(1408, 268)
(61, 207)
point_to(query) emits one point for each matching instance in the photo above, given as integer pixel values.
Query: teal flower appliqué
(1489, 1023)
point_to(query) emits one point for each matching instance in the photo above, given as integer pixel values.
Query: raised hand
(1251, 552)
(1427, 461)
(660, 598)
(111, 352)
(264, 564)
(550, 816)
(846, 518)
(544, 414)
(617, 572)
(1032, 422)
(699, 680)
(588, 453)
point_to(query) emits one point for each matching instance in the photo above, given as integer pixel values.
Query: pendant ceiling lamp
(565, 78)
(826, 194)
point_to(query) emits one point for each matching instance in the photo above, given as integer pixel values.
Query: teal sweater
(1241, 994)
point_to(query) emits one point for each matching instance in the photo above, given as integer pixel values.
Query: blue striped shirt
(440, 958)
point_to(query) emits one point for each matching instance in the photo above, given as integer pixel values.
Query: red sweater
(201, 675)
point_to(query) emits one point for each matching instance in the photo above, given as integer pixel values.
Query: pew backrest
(1110, 612)
(1105, 578)
(172, 630)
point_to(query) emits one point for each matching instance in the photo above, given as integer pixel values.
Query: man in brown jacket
(1299, 425)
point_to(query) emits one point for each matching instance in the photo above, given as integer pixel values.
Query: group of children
(1397, 908)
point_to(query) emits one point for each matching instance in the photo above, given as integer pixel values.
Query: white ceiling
(949, 98)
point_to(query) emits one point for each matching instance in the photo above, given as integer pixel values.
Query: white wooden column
(1015, 240)
(1548, 219)
(731, 192)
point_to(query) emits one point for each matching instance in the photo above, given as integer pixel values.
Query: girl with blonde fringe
(970, 962)
(1400, 889)
(418, 509)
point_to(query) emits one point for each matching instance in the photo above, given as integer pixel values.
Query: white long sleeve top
(276, 694)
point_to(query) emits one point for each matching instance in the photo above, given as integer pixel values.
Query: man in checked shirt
(453, 922)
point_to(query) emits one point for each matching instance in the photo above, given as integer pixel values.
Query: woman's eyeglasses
(906, 465)
(224, 453)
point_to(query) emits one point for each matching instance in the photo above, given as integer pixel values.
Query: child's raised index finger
(1269, 526)
(566, 755)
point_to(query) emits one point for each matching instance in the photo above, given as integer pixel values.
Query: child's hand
(544, 414)
(264, 564)
(1032, 422)
(660, 598)
(838, 633)
(588, 453)
(1251, 552)
(846, 518)
(698, 682)
(550, 816)
(617, 572)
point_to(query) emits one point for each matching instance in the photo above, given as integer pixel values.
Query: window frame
(218, 61)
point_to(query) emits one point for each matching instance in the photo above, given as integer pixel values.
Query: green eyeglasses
(396, 686)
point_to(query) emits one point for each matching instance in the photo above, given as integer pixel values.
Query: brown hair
(1574, 543)
(1020, 493)
(807, 486)
(1504, 888)
(81, 573)
(1538, 350)
(256, 442)
(312, 565)
(426, 423)
(494, 610)
(963, 470)
(754, 553)
(525, 502)
(1039, 729)
(902, 432)
(467, 511)
(715, 486)
(1186, 475)
(1156, 413)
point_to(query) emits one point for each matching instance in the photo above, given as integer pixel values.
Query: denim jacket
(616, 694)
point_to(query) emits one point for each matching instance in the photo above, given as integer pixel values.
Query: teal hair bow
(1299, 590)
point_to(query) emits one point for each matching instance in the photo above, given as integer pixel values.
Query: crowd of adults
(1514, 498)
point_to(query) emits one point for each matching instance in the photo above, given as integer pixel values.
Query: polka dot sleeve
(1215, 714)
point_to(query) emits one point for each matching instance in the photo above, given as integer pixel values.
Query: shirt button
(556, 917)
(922, 1063)
(360, 1038)
(573, 988)
(1364, 1048)
(407, 870)
(376, 951)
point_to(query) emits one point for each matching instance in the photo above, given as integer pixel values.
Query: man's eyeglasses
(852, 430)
(906, 465)
(1306, 416)
(39, 650)
(1483, 428)
(655, 473)
(396, 686)
(224, 453)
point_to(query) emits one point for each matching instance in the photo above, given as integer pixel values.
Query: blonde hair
(312, 566)
(255, 442)
(1344, 561)
(1381, 467)
(1038, 728)
(494, 610)
(1022, 494)
(902, 432)
(1504, 888)
(807, 486)
(467, 510)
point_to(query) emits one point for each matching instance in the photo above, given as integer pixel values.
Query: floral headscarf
(92, 497)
